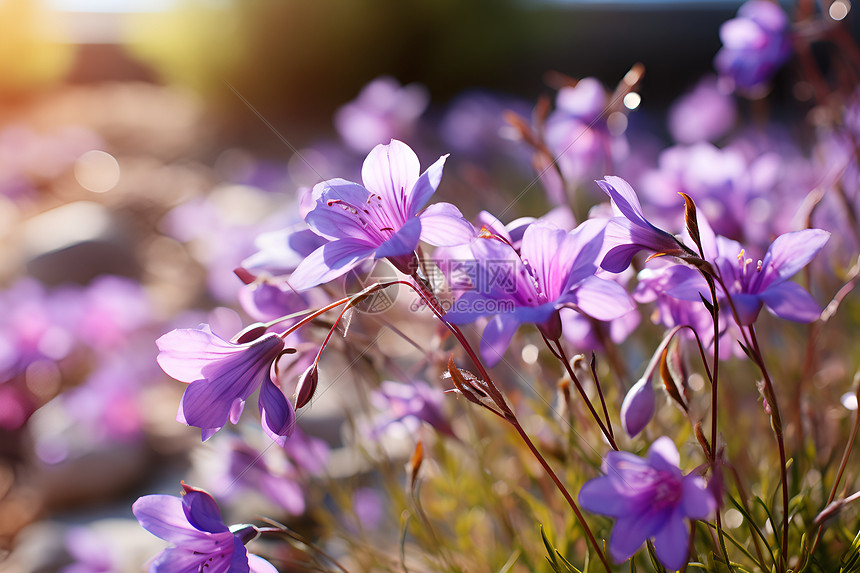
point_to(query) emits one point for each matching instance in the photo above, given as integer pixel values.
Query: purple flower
(576, 133)
(703, 114)
(383, 110)
(649, 498)
(380, 219)
(755, 44)
(194, 525)
(631, 232)
(752, 285)
(221, 376)
(409, 405)
(554, 269)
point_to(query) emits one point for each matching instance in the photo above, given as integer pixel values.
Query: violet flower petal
(277, 415)
(202, 512)
(672, 542)
(790, 301)
(329, 262)
(602, 299)
(403, 241)
(496, 337)
(391, 171)
(442, 225)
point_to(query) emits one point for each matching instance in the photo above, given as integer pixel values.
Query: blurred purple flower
(649, 498)
(221, 376)
(554, 269)
(703, 114)
(631, 232)
(755, 44)
(383, 110)
(576, 133)
(193, 523)
(409, 405)
(380, 219)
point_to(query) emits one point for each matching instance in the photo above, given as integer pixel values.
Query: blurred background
(144, 145)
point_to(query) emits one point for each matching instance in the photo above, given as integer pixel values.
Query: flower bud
(307, 386)
(638, 407)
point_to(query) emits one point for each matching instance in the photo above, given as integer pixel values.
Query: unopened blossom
(553, 269)
(382, 218)
(638, 406)
(202, 542)
(221, 375)
(630, 232)
(650, 499)
(755, 44)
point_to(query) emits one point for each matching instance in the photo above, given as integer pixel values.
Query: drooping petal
(403, 241)
(202, 405)
(496, 337)
(330, 261)
(790, 301)
(391, 172)
(442, 225)
(276, 413)
(426, 186)
(672, 542)
(638, 407)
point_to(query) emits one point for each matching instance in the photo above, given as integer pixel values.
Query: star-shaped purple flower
(221, 375)
(649, 498)
(379, 219)
(553, 269)
(201, 540)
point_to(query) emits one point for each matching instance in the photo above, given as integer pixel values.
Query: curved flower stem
(516, 424)
(559, 353)
(715, 377)
(429, 298)
(776, 422)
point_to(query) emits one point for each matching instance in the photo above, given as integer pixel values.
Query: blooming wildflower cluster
(548, 271)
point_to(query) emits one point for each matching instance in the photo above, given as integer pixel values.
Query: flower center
(379, 223)
(667, 490)
(745, 275)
